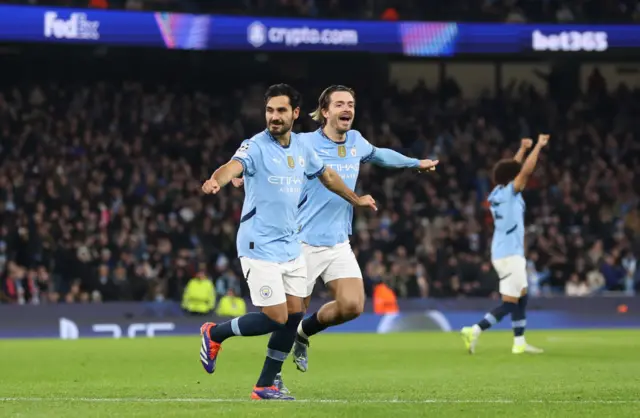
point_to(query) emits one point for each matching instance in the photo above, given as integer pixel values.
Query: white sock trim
(301, 331)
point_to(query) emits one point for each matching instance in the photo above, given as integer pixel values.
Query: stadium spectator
(199, 297)
(231, 305)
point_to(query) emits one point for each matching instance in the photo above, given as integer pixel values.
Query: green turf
(582, 374)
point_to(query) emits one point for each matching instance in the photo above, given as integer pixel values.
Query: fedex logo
(570, 41)
(76, 27)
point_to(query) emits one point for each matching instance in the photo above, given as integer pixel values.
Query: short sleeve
(315, 166)
(247, 155)
(364, 148)
(512, 189)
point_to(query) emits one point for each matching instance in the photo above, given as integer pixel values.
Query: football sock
(278, 349)
(496, 315)
(311, 326)
(248, 325)
(519, 320)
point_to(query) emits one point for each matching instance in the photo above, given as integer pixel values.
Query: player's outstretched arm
(529, 164)
(385, 157)
(525, 144)
(222, 176)
(333, 182)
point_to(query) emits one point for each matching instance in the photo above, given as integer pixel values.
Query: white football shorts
(270, 282)
(330, 263)
(512, 272)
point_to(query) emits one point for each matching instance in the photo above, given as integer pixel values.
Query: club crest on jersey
(290, 161)
(353, 152)
(342, 151)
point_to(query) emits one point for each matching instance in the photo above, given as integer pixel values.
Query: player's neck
(284, 139)
(333, 135)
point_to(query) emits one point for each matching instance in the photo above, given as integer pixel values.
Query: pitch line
(328, 401)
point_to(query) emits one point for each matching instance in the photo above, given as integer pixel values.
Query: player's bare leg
(348, 305)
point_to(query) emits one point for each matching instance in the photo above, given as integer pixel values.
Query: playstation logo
(257, 34)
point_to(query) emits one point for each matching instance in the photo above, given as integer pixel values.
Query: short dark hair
(295, 99)
(325, 100)
(505, 171)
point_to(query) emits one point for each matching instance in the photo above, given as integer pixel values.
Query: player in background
(273, 163)
(507, 246)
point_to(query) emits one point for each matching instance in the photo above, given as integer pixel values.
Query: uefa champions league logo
(257, 34)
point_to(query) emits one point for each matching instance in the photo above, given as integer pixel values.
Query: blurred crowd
(100, 190)
(515, 11)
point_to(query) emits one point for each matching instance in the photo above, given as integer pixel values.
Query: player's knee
(277, 314)
(351, 307)
(509, 299)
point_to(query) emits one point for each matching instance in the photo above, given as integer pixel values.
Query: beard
(279, 129)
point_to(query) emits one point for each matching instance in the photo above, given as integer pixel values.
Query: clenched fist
(211, 186)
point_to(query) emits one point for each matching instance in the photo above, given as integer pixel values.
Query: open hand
(367, 202)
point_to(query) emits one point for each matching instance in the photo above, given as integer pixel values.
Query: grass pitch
(582, 374)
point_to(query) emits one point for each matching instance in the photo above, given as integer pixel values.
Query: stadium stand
(100, 181)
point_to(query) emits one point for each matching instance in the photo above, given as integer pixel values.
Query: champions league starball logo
(257, 34)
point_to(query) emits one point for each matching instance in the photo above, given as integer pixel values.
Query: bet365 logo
(569, 41)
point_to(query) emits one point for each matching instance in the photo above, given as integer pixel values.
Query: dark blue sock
(248, 325)
(497, 314)
(278, 349)
(311, 325)
(519, 317)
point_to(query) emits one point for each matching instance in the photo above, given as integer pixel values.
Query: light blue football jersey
(507, 209)
(273, 180)
(324, 217)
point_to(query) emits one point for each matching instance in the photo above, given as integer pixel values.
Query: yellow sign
(291, 161)
(342, 151)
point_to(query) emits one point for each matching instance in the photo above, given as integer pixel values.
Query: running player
(507, 247)
(273, 163)
(325, 222)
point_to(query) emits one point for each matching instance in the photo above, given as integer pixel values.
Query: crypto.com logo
(257, 34)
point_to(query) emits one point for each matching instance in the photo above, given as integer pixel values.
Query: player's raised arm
(529, 165)
(385, 157)
(241, 163)
(525, 144)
